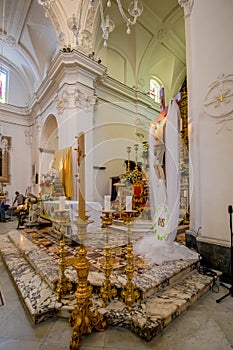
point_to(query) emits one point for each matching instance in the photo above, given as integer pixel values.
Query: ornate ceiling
(155, 47)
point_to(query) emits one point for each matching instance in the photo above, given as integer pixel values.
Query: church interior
(115, 174)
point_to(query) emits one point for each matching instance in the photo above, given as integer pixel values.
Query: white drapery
(172, 165)
(166, 192)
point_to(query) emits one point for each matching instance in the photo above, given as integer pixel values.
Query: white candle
(107, 202)
(185, 193)
(62, 203)
(181, 124)
(128, 203)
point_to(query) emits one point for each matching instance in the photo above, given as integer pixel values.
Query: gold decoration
(107, 292)
(128, 151)
(82, 319)
(129, 293)
(64, 286)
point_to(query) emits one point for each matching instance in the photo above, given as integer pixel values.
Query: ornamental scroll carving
(218, 103)
(187, 5)
(74, 98)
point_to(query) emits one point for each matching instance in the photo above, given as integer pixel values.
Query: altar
(32, 259)
(93, 211)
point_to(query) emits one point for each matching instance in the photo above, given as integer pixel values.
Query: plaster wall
(20, 169)
(211, 142)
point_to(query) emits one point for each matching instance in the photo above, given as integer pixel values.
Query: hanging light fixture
(74, 23)
(107, 25)
(47, 4)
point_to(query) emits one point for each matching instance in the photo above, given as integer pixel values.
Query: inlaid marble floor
(205, 325)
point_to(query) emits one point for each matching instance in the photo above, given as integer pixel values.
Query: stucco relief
(83, 99)
(187, 5)
(218, 102)
(73, 98)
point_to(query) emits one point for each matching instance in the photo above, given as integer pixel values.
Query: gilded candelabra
(64, 286)
(129, 293)
(83, 320)
(128, 165)
(107, 291)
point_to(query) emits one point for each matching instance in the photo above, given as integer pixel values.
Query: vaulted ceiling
(155, 47)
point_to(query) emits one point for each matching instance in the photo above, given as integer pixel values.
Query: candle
(81, 172)
(62, 203)
(128, 203)
(107, 202)
(185, 193)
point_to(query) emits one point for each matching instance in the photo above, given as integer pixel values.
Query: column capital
(187, 5)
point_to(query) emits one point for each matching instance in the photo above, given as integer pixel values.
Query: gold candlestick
(82, 319)
(107, 292)
(129, 293)
(128, 167)
(81, 176)
(64, 286)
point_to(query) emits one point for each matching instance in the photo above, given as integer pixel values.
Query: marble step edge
(36, 258)
(153, 281)
(37, 297)
(155, 313)
(169, 280)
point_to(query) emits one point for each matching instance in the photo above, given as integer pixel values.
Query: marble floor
(205, 325)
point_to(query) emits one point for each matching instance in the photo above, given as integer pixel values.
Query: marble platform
(166, 291)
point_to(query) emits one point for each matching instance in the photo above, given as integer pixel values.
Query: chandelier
(107, 25)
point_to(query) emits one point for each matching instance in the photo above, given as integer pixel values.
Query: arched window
(3, 85)
(155, 87)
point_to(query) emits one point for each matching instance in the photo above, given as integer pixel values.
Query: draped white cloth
(164, 194)
(160, 252)
(157, 186)
(172, 163)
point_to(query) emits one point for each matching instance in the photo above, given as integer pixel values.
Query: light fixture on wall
(107, 25)
(47, 4)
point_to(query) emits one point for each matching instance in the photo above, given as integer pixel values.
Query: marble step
(41, 262)
(147, 318)
(36, 295)
(148, 280)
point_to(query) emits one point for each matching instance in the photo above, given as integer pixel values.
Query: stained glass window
(155, 87)
(3, 85)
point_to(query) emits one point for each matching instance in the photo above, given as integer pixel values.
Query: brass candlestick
(64, 286)
(82, 319)
(107, 292)
(128, 165)
(129, 293)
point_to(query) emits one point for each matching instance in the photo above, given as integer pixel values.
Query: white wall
(210, 145)
(20, 155)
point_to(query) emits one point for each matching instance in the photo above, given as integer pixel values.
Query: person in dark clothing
(19, 198)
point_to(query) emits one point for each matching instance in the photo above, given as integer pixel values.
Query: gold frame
(5, 175)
